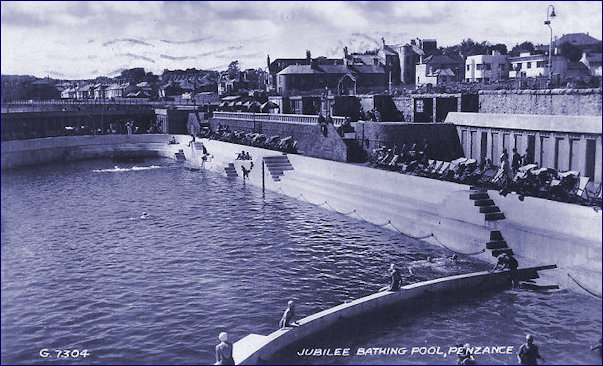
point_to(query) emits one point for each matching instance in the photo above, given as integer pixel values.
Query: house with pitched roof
(343, 79)
(280, 64)
(438, 69)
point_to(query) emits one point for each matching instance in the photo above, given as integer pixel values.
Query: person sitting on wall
(396, 279)
(287, 319)
(224, 351)
(173, 140)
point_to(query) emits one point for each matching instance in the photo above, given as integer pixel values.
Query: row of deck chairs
(528, 181)
(399, 159)
(286, 144)
(548, 183)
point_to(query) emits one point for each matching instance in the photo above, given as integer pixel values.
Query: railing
(268, 117)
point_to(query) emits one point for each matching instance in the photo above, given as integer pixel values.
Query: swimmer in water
(144, 215)
(436, 264)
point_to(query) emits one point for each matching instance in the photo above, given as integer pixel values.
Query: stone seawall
(442, 138)
(577, 102)
(308, 136)
(540, 232)
(58, 149)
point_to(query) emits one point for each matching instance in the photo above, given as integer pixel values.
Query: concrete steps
(495, 216)
(230, 170)
(484, 202)
(497, 244)
(481, 199)
(538, 285)
(277, 165)
(488, 209)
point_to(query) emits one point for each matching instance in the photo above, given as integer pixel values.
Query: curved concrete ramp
(255, 349)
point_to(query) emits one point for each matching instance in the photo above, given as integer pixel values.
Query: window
(501, 67)
(479, 67)
(529, 65)
(468, 67)
(518, 66)
(540, 64)
(488, 66)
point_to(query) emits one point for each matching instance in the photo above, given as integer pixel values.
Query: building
(583, 41)
(438, 69)
(487, 68)
(342, 79)
(100, 91)
(280, 64)
(528, 66)
(411, 54)
(85, 91)
(593, 62)
(114, 91)
(553, 141)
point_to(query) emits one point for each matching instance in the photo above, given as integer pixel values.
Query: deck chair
(580, 189)
(443, 168)
(426, 169)
(436, 167)
(593, 194)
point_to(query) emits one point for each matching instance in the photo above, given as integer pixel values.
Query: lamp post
(550, 13)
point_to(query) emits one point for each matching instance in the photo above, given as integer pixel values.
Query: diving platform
(256, 349)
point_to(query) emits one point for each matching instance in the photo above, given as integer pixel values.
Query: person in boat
(528, 353)
(287, 319)
(224, 351)
(396, 279)
(143, 215)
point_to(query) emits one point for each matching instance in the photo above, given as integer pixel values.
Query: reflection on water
(80, 270)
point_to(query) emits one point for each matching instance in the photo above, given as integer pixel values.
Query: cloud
(136, 57)
(198, 40)
(176, 57)
(127, 40)
(78, 37)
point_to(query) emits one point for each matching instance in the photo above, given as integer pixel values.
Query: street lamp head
(552, 15)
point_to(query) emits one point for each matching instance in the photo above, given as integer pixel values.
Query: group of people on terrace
(515, 174)
(224, 133)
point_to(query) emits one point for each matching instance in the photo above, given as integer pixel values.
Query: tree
(500, 47)
(571, 52)
(526, 46)
(233, 70)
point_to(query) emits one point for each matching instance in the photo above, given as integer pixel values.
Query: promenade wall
(308, 135)
(540, 232)
(575, 102)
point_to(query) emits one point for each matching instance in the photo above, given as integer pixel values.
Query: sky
(79, 39)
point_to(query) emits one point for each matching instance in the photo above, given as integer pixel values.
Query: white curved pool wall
(254, 349)
(539, 231)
